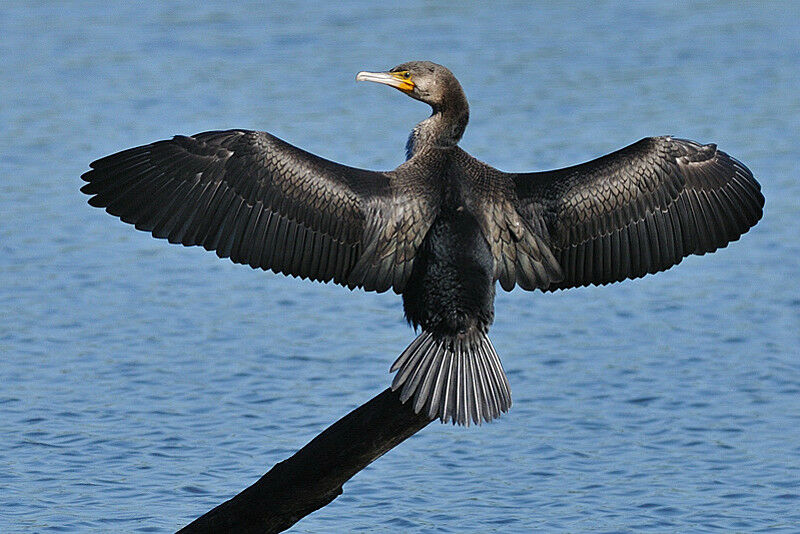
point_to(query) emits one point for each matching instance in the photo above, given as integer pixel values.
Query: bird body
(441, 229)
(450, 294)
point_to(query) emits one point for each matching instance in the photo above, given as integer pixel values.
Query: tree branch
(314, 476)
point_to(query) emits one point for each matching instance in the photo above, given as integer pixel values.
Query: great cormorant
(440, 229)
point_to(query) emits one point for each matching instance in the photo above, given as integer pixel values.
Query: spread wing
(263, 202)
(639, 210)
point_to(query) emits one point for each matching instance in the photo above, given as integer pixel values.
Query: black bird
(440, 229)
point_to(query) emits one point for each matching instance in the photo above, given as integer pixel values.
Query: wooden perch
(314, 476)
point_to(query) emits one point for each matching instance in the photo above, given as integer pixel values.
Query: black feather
(660, 199)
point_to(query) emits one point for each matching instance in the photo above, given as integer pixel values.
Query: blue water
(141, 384)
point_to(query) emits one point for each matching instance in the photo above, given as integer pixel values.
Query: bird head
(422, 80)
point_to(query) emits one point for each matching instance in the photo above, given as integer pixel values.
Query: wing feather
(639, 210)
(265, 203)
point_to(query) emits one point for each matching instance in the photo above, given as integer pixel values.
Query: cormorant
(440, 229)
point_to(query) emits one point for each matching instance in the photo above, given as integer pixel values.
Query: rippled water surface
(141, 384)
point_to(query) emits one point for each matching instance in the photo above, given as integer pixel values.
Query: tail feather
(458, 379)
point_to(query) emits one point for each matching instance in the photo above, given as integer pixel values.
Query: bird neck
(443, 129)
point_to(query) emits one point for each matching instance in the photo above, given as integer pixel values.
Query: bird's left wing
(639, 210)
(260, 201)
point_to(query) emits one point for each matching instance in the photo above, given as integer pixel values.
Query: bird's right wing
(262, 202)
(639, 210)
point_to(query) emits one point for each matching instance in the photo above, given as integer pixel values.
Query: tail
(458, 379)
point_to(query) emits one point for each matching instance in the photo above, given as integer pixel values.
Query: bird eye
(406, 75)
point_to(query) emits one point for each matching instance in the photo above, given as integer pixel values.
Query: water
(141, 384)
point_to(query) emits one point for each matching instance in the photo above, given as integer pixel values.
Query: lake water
(141, 384)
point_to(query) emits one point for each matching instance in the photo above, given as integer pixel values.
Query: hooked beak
(392, 79)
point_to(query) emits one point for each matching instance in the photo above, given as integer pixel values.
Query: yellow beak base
(398, 80)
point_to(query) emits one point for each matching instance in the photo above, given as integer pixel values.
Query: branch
(314, 476)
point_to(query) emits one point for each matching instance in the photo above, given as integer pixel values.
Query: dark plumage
(440, 229)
